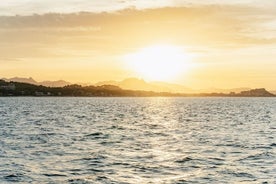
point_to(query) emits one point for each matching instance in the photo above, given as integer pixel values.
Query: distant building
(8, 87)
(37, 93)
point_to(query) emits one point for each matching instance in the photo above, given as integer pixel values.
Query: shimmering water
(137, 140)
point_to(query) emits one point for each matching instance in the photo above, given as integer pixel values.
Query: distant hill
(140, 84)
(30, 80)
(59, 83)
(217, 90)
(134, 84)
(273, 92)
(25, 89)
(261, 92)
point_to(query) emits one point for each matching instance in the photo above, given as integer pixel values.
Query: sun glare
(160, 62)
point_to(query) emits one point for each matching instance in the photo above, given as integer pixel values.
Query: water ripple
(137, 140)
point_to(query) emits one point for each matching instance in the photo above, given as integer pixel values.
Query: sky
(226, 44)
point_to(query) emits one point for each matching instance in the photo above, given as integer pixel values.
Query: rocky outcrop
(261, 92)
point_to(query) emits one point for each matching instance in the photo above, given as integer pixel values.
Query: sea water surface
(137, 140)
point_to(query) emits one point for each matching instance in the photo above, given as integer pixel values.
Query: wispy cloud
(234, 38)
(212, 26)
(28, 7)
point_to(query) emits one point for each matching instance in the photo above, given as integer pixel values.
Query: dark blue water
(137, 140)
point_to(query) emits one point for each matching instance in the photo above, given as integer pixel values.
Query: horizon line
(135, 78)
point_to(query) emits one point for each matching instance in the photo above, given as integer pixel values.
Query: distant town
(10, 88)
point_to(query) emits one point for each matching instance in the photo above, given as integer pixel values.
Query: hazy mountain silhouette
(139, 84)
(25, 89)
(59, 83)
(134, 84)
(30, 80)
(217, 90)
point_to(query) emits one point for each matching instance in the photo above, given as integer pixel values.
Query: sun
(159, 62)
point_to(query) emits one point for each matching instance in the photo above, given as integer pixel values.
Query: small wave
(54, 175)
(273, 145)
(97, 135)
(217, 159)
(13, 177)
(243, 174)
(95, 159)
(182, 181)
(121, 163)
(94, 134)
(78, 181)
(75, 171)
(183, 160)
(116, 127)
(232, 145)
(94, 170)
(17, 177)
(258, 156)
(239, 174)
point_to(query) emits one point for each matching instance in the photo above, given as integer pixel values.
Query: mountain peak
(30, 80)
(133, 81)
(140, 84)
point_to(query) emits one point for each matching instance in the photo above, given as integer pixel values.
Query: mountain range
(30, 80)
(140, 84)
(134, 84)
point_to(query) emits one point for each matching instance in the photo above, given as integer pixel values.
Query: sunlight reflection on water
(137, 140)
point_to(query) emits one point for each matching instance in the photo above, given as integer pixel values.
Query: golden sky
(225, 43)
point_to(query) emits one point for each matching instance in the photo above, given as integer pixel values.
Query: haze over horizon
(221, 44)
(135, 84)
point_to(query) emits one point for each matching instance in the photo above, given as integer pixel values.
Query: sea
(106, 140)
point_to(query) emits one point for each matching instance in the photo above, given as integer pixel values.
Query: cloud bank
(57, 34)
